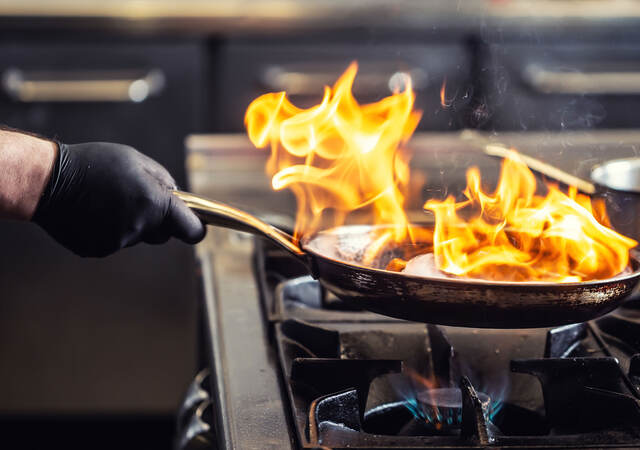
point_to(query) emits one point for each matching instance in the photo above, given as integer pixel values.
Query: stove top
(355, 379)
(295, 367)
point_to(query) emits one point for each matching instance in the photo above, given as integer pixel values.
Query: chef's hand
(102, 197)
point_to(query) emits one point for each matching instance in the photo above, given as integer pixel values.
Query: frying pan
(472, 303)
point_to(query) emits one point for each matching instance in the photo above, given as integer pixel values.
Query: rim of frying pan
(634, 262)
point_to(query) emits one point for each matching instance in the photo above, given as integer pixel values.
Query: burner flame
(437, 408)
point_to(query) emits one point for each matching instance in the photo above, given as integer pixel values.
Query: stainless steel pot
(618, 182)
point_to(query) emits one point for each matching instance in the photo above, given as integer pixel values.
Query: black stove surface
(356, 379)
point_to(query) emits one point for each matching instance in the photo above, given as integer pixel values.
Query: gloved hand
(102, 197)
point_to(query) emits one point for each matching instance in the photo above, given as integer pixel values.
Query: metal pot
(618, 183)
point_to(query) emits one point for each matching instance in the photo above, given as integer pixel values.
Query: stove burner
(416, 410)
(442, 405)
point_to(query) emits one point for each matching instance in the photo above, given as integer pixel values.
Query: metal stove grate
(350, 375)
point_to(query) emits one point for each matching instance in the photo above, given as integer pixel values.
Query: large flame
(339, 156)
(516, 235)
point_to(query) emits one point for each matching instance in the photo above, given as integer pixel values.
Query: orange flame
(517, 235)
(443, 100)
(338, 156)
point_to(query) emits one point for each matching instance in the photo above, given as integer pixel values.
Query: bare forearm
(26, 163)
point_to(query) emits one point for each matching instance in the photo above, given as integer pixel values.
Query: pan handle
(501, 151)
(545, 169)
(219, 214)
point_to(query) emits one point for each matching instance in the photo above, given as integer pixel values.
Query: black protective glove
(102, 197)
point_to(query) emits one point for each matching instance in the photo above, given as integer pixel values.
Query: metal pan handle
(219, 214)
(543, 168)
(501, 151)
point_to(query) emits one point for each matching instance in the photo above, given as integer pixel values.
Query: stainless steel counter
(228, 167)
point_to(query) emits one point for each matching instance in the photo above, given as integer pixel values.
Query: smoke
(578, 114)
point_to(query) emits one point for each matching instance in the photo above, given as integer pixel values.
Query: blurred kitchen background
(99, 352)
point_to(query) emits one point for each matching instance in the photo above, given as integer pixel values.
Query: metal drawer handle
(604, 83)
(277, 78)
(32, 87)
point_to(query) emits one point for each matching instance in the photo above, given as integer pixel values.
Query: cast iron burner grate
(359, 380)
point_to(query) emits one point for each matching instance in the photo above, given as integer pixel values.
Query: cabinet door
(98, 335)
(248, 69)
(567, 86)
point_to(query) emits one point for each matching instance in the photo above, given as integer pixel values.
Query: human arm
(93, 198)
(26, 163)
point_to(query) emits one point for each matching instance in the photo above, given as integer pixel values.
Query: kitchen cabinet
(248, 68)
(98, 335)
(561, 85)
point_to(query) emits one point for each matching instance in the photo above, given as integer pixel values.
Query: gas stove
(288, 365)
(355, 379)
